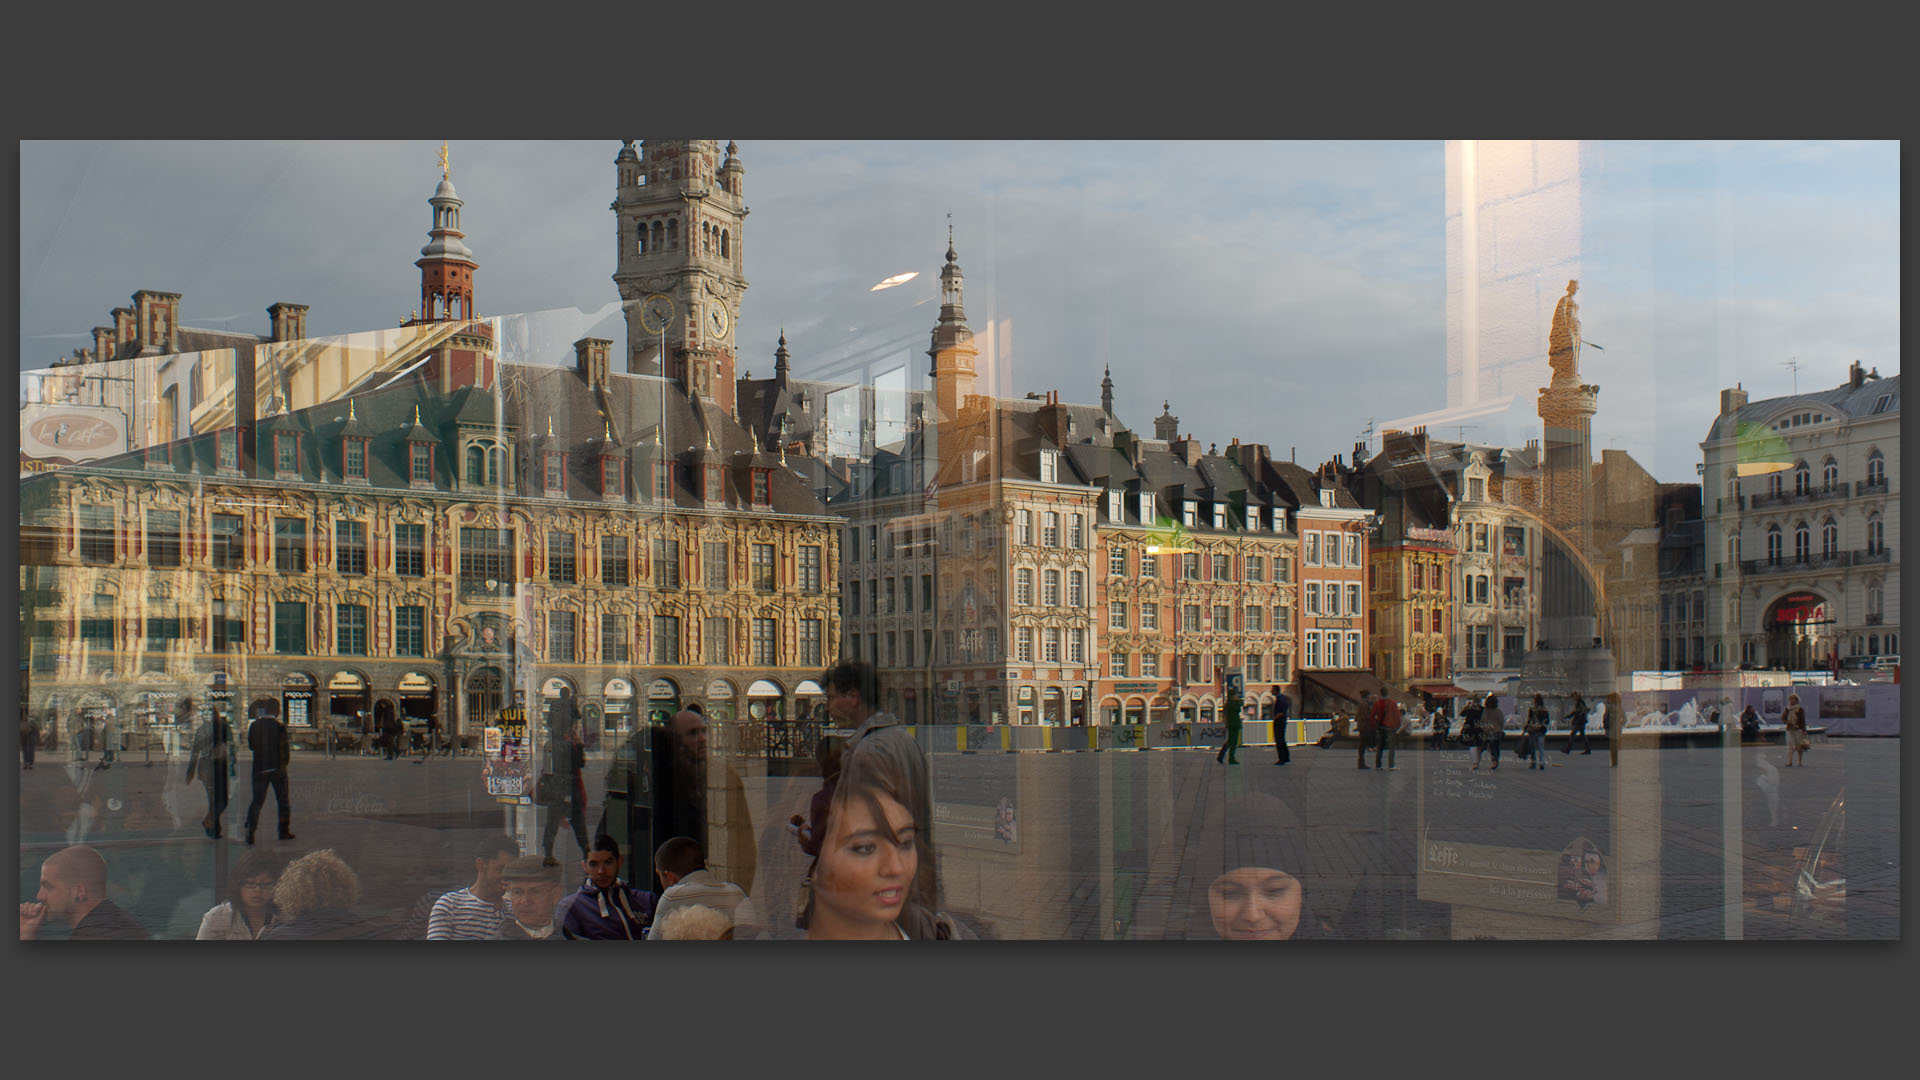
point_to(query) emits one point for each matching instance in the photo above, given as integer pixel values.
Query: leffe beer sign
(69, 434)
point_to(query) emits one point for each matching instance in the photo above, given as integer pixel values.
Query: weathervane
(444, 173)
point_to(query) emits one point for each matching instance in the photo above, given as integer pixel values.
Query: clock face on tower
(717, 319)
(656, 312)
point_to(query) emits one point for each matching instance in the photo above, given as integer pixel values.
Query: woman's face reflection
(1255, 903)
(864, 874)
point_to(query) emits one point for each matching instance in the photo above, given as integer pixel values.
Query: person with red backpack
(1386, 725)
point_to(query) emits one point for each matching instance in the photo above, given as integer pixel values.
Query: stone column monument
(1570, 655)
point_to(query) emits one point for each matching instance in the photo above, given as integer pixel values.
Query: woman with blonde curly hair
(696, 922)
(316, 896)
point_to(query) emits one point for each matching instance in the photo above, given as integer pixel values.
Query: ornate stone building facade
(425, 539)
(1805, 559)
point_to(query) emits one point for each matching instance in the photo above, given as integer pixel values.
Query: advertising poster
(509, 768)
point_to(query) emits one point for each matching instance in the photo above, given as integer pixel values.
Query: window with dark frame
(290, 545)
(350, 630)
(613, 561)
(163, 538)
(666, 639)
(290, 627)
(763, 568)
(410, 549)
(561, 558)
(349, 547)
(560, 636)
(410, 630)
(613, 639)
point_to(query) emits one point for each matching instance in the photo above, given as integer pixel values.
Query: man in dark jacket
(607, 908)
(1282, 705)
(1369, 727)
(566, 755)
(272, 754)
(73, 890)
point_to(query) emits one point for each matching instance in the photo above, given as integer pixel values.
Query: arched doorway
(486, 696)
(766, 700)
(720, 703)
(419, 700)
(617, 720)
(663, 700)
(1799, 629)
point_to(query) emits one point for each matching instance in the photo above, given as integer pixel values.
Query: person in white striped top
(477, 912)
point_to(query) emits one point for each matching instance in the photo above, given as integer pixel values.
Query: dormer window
(1114, 511)
(420, 463)
(286, 452)
(353, 458)
(1049, 467)
(556, 471)
(1190, 513)
(762, 487)
(663, 481)
(1219, 515)
(1146, 507)
(228, 448)
(486, 463)
(613, 477)
(715, 487)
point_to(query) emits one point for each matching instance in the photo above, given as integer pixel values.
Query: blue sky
(1274, 292)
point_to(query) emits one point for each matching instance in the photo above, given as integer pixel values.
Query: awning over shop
(1442, 690)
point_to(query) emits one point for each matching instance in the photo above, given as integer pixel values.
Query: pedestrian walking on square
(1797, 739)
(1282, 706)
(1369, 727)
(1492, 725)
(1387, 723)
(1578, 719)
(212, 763)
(1230, 749)
(1536, 733)
(1438, 722)
(272, 754)
(567, 787)
(1616, 718)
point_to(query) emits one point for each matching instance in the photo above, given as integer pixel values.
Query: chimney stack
(594, 357)
(288, 321)
(1731, 401)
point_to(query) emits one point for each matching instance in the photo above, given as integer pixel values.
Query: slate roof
(1842, 399)
(632, 409)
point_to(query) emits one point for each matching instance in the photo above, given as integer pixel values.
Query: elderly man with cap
(73, 890)
(533, 893)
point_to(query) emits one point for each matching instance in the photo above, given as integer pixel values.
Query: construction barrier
(1015, 738)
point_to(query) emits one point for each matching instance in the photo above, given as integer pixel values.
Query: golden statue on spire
(444, 174)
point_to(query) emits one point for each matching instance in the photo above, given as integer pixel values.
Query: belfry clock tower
(679, 213)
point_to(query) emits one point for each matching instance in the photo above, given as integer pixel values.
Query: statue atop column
(1563, 341)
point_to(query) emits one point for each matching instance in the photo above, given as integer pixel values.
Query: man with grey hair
(73, 890)
(533, 895)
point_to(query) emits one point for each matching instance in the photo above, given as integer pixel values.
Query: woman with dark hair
(248, 909)
(876, 877)
(1535, 730)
